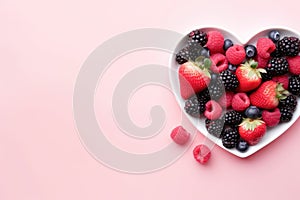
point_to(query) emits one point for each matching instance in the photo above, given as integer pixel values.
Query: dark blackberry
(216, 89)
(198, 36)
(278, 66)
(229, 80)
(182, 56)
(289, 102)
(192, 106)
(214, 127)
(189, 53)
(289, 46)
(266, 76)
(233, 118)
(203, 95)
(277, 52)
(230, 137)
(286, 114)
(294, 85)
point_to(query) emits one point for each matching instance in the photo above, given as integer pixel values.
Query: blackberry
(192, 106)
(278, 66)
(294, 85)
(289, 46)
(216, 89)
(214, 127)
(286, 114)
(182, 56)
(230, 137)
(233, 118)
(266, 76)
(289, 102)
(203, 97)
(189, 53)
(229, 80)
(198, 36)
(276, 53)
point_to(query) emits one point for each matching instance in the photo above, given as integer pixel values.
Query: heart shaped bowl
(199, 123)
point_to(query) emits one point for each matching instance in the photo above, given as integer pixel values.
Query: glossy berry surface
(242, 146)
(227, 43)
(274, 36)
(253, 112)
(251, 51)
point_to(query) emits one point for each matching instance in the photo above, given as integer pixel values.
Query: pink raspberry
(179, 135)
(215, 42)
(226, 100)
(240, 102)
(271, 118)
(219, 63)
(236, 54)
(201, 153)
(283, 79)
(265, 47)
(262, 62)
(294, 65)
(212, 110)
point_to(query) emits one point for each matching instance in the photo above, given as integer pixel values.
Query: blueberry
(231, 67)
(274, 36)
(227, 43)
(253, 112)
(242, 146)
(250, 51)
(204, 52)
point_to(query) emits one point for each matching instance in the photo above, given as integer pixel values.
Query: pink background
(42, 46)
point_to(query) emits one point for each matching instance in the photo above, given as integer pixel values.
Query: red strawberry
(267, 96)
(194, 77)
(248, 76)
(252, 130)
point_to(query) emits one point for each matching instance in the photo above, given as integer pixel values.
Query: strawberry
(267, 96)
(194, 77)
(252, 130)
(248, 76)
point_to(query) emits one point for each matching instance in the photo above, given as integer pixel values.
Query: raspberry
(240, 102)
(271, 118)
(283, 79)
(226, 100)
(262, 62)
(212, 110)
(201, 153)
(265, 47)
(236, 54)
(294, 65)
(220, 63)
(215, 41)
(179, 135)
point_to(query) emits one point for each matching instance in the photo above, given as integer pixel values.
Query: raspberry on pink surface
(236, 54)
(179, 135)
(219, 63)
(271, 118)
(212, 110)
(283, 79)
(262, 62)
(265, 47)
(294, 65)
(215, 42)
(240, 102)
(202, 153)
(226, 100)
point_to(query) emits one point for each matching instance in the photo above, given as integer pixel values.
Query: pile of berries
(241, 90)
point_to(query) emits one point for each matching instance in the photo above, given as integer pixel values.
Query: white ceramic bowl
(272, 133)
